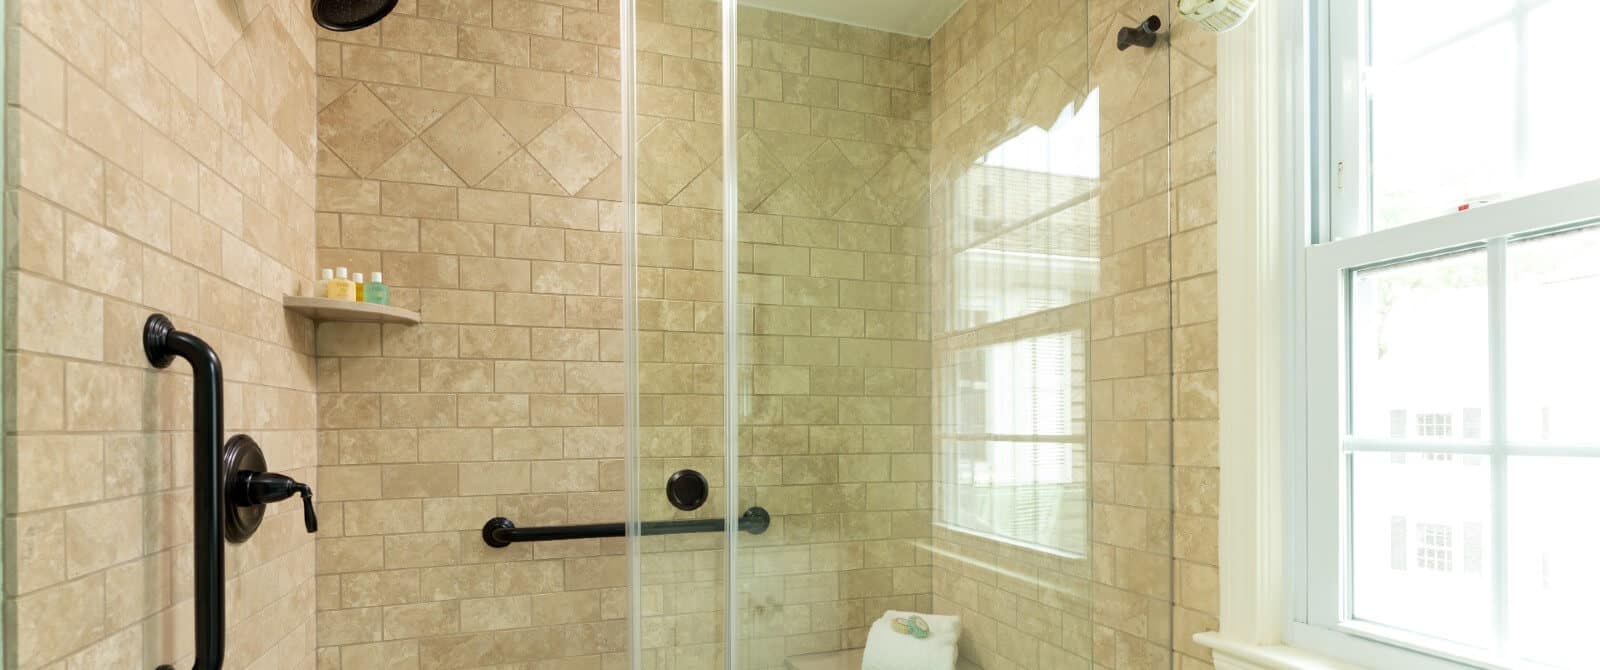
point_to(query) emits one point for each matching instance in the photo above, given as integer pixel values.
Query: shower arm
(162, 343)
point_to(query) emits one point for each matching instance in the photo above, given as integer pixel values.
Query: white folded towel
(891, 650)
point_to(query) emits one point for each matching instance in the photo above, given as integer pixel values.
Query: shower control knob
(687, 490)
(250, 487)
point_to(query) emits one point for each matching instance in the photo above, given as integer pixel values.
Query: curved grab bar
(162, 343)
(501, 532)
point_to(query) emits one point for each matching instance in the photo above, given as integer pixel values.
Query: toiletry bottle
(377, 292)
(321, 290)
(341, 288)
(361, 286)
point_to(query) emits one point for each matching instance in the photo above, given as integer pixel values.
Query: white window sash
(1328, 274)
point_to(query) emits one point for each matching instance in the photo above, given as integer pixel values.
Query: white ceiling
(907, 17)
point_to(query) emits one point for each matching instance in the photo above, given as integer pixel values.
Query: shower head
(346, 15)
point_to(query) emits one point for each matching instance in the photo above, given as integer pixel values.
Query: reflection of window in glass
(1014, 442)
(1436, 547)
(1024, 235)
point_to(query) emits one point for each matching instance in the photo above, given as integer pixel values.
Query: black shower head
(346, 15)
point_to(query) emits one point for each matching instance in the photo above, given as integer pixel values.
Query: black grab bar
(501, 532)
(163, 342)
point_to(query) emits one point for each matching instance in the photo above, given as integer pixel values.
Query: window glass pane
(1419, 349)
(1553, 581)
(1551, 326)
(1419, 544)
(1473, 101)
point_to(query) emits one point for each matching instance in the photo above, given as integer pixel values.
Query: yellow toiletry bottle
(340, 287)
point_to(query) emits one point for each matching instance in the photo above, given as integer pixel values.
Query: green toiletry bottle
(376, 292)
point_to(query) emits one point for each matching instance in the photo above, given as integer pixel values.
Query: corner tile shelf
(327, 309)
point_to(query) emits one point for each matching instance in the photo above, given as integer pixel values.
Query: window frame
(1326, 392)
(1335, 242)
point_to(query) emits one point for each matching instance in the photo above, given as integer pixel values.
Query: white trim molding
(1232, 655)
(1263, 139)
(1250, 280)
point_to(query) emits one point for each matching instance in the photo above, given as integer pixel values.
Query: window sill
(1232, 655)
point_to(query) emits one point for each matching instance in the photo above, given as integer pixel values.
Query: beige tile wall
(160, 158)
(1196, 483)
(833, 149)
(470, 151)
(1150, 581)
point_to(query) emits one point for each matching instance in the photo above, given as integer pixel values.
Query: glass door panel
(950, 378)
(678, 298)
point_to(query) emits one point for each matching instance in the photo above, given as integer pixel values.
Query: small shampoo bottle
(321, 289)
(377, 292)
(340, 287)
(361, 286)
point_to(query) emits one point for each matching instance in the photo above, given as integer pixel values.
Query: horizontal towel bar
(501, 532)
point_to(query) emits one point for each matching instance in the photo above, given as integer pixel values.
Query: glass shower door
(946, 266)
(834, 375)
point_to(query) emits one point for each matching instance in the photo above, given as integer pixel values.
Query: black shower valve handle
(261, 488)
(309, 510)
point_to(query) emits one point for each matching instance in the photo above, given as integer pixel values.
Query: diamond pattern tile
(572, 152)
(760, 173)
(470, 141)
(418, 164)
(829, 178)
(522, 174)
(417, 107)
(524, 120)
(667, 162)
(361, 131)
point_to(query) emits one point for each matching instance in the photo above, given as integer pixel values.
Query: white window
(1435, 425)
(1436, 547)
(1450, 288)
